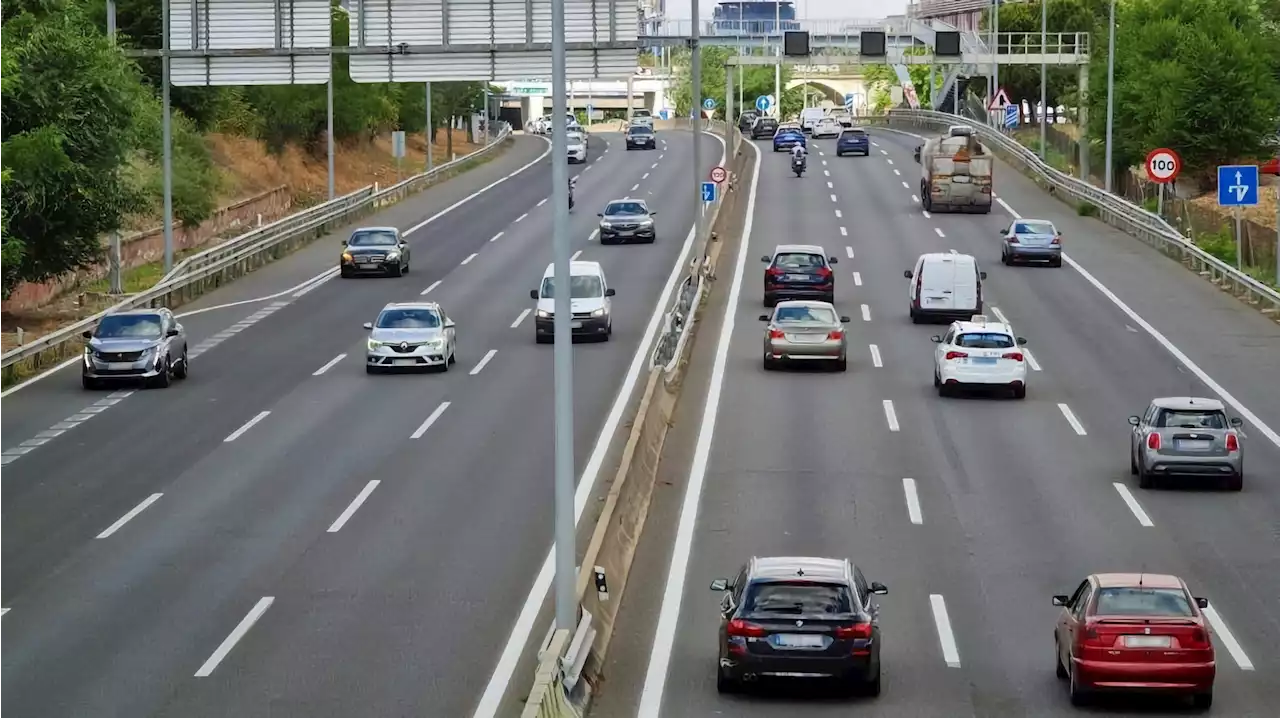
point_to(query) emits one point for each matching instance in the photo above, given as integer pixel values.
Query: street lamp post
(1111, 92)
(1044, 72)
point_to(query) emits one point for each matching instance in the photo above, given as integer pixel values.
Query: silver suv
(1186, 436)
(147, 345)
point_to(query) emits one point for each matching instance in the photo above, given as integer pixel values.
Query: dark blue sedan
(853, 141)
(787, 139)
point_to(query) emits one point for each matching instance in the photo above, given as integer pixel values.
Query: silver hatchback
(801, 331)
(411, 335)
(1186, 436)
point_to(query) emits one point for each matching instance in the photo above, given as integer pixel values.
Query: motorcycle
(798, 166)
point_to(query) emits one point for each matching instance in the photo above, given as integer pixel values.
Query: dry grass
(1265, 211)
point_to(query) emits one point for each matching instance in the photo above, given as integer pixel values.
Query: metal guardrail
(1114, 210)
(249, 249)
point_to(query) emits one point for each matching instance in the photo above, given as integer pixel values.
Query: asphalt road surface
(281, 534)
(981, 509)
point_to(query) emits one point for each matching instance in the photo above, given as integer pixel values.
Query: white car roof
(576, 269)
(799, 248)
(412, 305)
(947, 257)
(981, 323)
(374, 229)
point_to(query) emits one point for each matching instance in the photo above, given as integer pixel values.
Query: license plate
(797, 277)
(806, 338)
(1146, 642)
(406, 362)
(983, 360)
(1197, 445)
(119, 366)
(797, 640)
(368, 265)
(577, 325)
(934, 300)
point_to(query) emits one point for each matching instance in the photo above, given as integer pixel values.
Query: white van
(944, 287)
(810, 116)
(589, 294)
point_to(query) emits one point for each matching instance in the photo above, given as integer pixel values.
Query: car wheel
(1078, 695)
(937, 380)
(871, 686)
(725, 684)
(180, 371)
(396, 271)
(770, 300)
(1056, 263)
(162, 380)
(89, 383)
(1004, 259)
(1145, 480)
(1059, 669)
(842, 364)
(839, 153)
(453, 355)
(1020, 392)
(406, 267)
(829, 298)
(370, 369)
(344, 273)
(915, 318)
(1202, 701)
(542, 339)
(769, 363)
(943, 390)
(1236, 482)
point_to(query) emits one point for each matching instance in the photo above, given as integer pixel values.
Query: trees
(1196, 75)
(757, 80)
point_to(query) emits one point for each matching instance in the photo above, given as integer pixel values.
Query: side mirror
(878, 588)
(610, 292)
(1061, 600)
(653, 214)
(766, 258)
(833, 260)
(1022, 341)
(720, 584)
(935, 339)
(342, 243)
(533, 294)
(844, 319)
(1202, 602)
(448, 324)
(173, 332)
(599, 214)
(368, 325)
(764, 317)
(87, 334)
(1236, 421)
(1001, 234)
(982, 275)
(906, 273)
(1134, 421)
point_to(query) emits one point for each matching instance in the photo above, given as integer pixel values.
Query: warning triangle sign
(1000, 100)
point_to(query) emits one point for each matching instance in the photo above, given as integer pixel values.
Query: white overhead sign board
(278, 25)
(491, 39)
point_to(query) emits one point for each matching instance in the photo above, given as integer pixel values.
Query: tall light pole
(565, 580)
(1044, 72)
(1111, 92)
(777, 70)
(167, 138)
(695, 77)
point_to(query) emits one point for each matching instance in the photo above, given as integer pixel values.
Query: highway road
(973, 510)
(281, 534)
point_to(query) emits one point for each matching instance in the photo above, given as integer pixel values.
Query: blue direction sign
(1011, 116)
(708, 191)
(848, 100)
(708, 104)
(1237, 185)
(763, 103)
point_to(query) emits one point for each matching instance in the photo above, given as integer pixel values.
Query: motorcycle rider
(799, 155)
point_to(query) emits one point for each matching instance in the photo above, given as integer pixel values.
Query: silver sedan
(411, 335)
(803, 331)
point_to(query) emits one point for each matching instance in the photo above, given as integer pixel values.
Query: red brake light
(825, 272)
(1199, 639)
(1091, 638)
(838, 334)
(1233, 443)
(773, 272)
(955, 355)
(776, 334)
(1016, 356)
(1153, 442)
(857, 630)
(739, 627)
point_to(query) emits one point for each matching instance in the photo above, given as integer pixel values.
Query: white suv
(980, 354)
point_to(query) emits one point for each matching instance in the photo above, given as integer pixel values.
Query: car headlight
(374, 344)
(392, 256)
(648, 222)
(346, 256)
(606, 225)
(544, 314)
(598, 313)
(436, 343)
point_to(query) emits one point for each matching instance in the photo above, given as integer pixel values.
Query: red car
(1270, 167)
(1127, 632)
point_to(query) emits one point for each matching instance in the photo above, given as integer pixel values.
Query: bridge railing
(1055, 43)
(767, 28)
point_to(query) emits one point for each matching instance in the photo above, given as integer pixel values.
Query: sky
(868, 9)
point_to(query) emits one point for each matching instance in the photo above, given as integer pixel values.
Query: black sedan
(375, 250)
(640, 137)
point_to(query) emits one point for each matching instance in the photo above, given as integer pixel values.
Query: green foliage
(757, 80)
(1022, 82)
(1202, 76)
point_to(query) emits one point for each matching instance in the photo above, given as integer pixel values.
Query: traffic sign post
(708, 104)
(718, 175)
(764, 103)
(1163, 166)
(848, 101)
(1012, 114)
(709, 192)
(1238, 187)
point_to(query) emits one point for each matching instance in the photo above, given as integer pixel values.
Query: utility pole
(1111, 92)
(166, 132)
(430, 159)
(777, 70)
(695, 76)
(1044, 72)
(328, 99)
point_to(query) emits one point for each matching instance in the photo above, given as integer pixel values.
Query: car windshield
(985, 340)
(581, 286)
(804, 314)
(372, 239)
(641, 113)
(625, 208)
(800, 261)
(574, 138)
(852, 134)
(129, 326)
(798, 598)
(408, 319)
(1141, 601)
(639, 131)
(1033, 228)
(767, 123)
(1191, 419)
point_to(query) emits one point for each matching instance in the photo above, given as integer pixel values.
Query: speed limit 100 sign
(1163, 165)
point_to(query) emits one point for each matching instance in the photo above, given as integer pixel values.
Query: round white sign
(718, 174)
(1163, 165)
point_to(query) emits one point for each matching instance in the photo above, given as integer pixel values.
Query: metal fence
(1112, 209)
(218, 265)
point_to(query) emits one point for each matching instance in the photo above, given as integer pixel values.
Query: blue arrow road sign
(848, 99)
(1237, 185)
(1011, 116)
(763, 104)
(708, 104)
(708, 191)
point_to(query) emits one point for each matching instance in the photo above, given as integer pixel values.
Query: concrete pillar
(1082, 118)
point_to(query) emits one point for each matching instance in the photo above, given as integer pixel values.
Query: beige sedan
(805, 331)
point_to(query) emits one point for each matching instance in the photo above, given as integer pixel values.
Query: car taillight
(857, 630)
(825, 272)
(1199, 639)
(1057, 240)
(919, 283)
(739, 627)
(776, 334)
(1016, 356)
(835, 334)
(773, 273)
(1092, 639)
(955, 355)
(1233, 443)
(1153, 442)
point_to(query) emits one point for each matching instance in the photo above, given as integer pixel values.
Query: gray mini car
(1186, 436)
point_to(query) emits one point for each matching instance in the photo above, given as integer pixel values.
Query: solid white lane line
(876, 361)
(417, 434)
(1132, 502)
(890, 415)
(996, 311)
(1228, 639)
(247, 426)
(132, 512)
(913, 501)
(433, 286)
(236, 634)
(520, 318)
(521, 217)
(1071, 419)
(950, 653)
(328, 365)
(857, 279)
(495, 237)
(844, 232)
(849, 251)
(542, 201)
(866, 313)
(355, 504)
(470, 257)
(479, 367)
(1031, 359)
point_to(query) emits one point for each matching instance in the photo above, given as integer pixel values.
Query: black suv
(641, 137)
(793, 615)
(764, 127)
(798, 271)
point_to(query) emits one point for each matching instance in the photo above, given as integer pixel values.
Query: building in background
(963, 14)
(753, 17)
